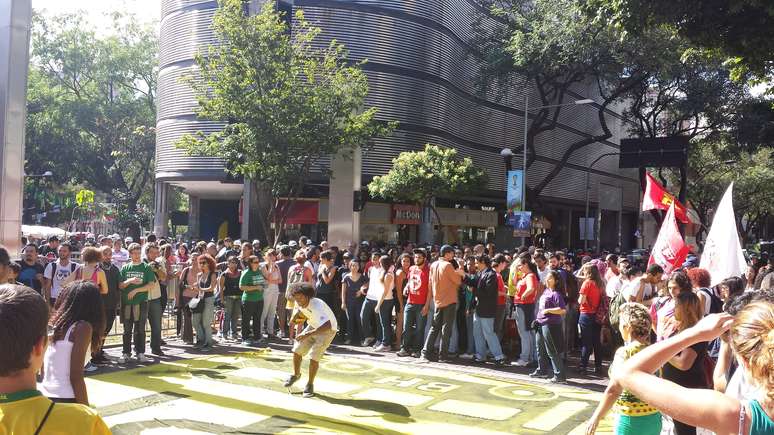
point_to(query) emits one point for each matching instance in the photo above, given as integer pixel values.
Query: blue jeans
(486, 338)
(385, 321)
(354, 332)
(154, 319)
(590, 331)
(525, 314)
(366, 316)
(549, 344)
(232, 310)
(413, 328)
(202, 322)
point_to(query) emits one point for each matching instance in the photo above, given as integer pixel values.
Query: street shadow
(392, 412)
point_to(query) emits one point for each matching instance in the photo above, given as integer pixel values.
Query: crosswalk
(244, 392)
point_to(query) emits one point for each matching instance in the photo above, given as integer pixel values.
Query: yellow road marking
(320, 385)
(102, 394)
(188, 409)
(552, 418)
(476, 410)
(399, 397)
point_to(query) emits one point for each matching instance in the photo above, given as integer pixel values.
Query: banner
(521, 221)
(515, 193)
(670, 250)
(722, 255)
(656, 197)
(586, 227)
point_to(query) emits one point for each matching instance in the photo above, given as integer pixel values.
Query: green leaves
(417, 177)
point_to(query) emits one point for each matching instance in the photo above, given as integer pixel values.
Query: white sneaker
(466, 356)
(143, 359)
(380, 348)
(520, 363)
(124, 358)
(89, 368)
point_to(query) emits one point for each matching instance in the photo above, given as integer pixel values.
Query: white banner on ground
(722, 255)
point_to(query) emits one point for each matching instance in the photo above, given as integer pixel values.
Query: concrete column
(161, 214)
(193, 217)
(247, 206)
(343, 222)
(426, 233)
(15, 18)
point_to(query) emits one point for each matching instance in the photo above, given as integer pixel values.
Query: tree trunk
(266, 209)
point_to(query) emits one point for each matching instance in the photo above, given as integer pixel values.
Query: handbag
(194, 302)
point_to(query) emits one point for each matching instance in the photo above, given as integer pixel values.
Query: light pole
(527, 109)
(585, 221)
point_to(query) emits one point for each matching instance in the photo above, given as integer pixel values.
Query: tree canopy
(91, 109)
(289, 102)
(418, 177)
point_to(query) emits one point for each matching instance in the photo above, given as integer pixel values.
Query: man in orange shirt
(445, 280)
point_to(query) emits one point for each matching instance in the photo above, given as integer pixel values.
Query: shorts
(315, 345)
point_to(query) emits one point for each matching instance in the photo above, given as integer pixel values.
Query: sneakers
(501, 362)
(143, 359)
(520, 363)
(467, 356)
(423, 360)
(479, 360)
(368, 341)
(556, 380)
(381, 348)
(403, 353)
(157, 352)
(246, 343)
(124, 358)
(538, 375)
(308, 391)
(89, 368)
(416, 354)
(291, 380)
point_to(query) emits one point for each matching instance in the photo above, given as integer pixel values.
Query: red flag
(656, 197)
(670, 250)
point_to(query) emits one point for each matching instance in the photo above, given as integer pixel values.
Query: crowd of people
(472, 304)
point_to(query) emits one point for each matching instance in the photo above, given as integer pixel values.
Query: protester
(109, 300)
(383, 287)
(325, 275)
(751, 339)
(662, 311)
(524, 301)
(416, 309)
(352, 294)
(231, 298)
(484, 285)
(137, 279)
(548, 328)
(403, 267)
(644, 289)
(297, 273)
(591, 292)
(283, 265)
(77, 323)
(445, 278)
(499, 264)
(188, 291)
(120, 255)
(315, 338)
(156, 299)
(252, 283)
(203, 311)
(24, 320)
(374, 292)
(273, 276)
(633, 416)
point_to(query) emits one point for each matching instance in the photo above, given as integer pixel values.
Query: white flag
(722, 255)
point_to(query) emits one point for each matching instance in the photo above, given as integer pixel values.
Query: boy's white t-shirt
(317, 313)
(630, 290)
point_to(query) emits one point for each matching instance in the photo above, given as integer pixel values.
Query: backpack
(56, 264)
(716, 305)
(602, 310)
(613, 314)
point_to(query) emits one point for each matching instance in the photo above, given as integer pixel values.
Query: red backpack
(601, 316)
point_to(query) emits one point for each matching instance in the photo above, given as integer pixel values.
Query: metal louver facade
(421, 73)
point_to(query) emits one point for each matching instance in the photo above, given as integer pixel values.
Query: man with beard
(415, 312)
(56, 273)
(31, 273)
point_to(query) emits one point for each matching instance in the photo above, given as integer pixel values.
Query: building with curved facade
(422, 73)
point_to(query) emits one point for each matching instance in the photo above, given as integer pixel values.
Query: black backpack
(716, 305)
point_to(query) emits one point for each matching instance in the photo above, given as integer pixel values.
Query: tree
(289, 104)
(418, 177)
(742, 30)
(91, 109)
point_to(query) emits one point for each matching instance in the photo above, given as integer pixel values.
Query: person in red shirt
(415, 311)
(590, 293)
(524, 300)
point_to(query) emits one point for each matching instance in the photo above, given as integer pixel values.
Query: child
(23, 409)
(315, 338)
(633, 415)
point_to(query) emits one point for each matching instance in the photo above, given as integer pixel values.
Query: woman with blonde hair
(752, 339)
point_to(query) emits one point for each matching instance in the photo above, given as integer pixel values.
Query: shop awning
(302, 212)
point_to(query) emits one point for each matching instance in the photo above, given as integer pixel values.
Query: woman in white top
(384, 285)
(77, 324)
(271, 272)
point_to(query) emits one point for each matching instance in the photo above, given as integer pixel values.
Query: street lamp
(507, 155)
(526, 128)
(585, 221)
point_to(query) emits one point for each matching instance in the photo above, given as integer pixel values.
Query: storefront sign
(406, 214)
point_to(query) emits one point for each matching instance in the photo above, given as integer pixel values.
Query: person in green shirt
(252, 283)
(137, 279)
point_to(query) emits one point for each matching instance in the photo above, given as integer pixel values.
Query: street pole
(524, 166)
(585, 220)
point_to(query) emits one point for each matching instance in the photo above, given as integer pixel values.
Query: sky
(145, 10)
